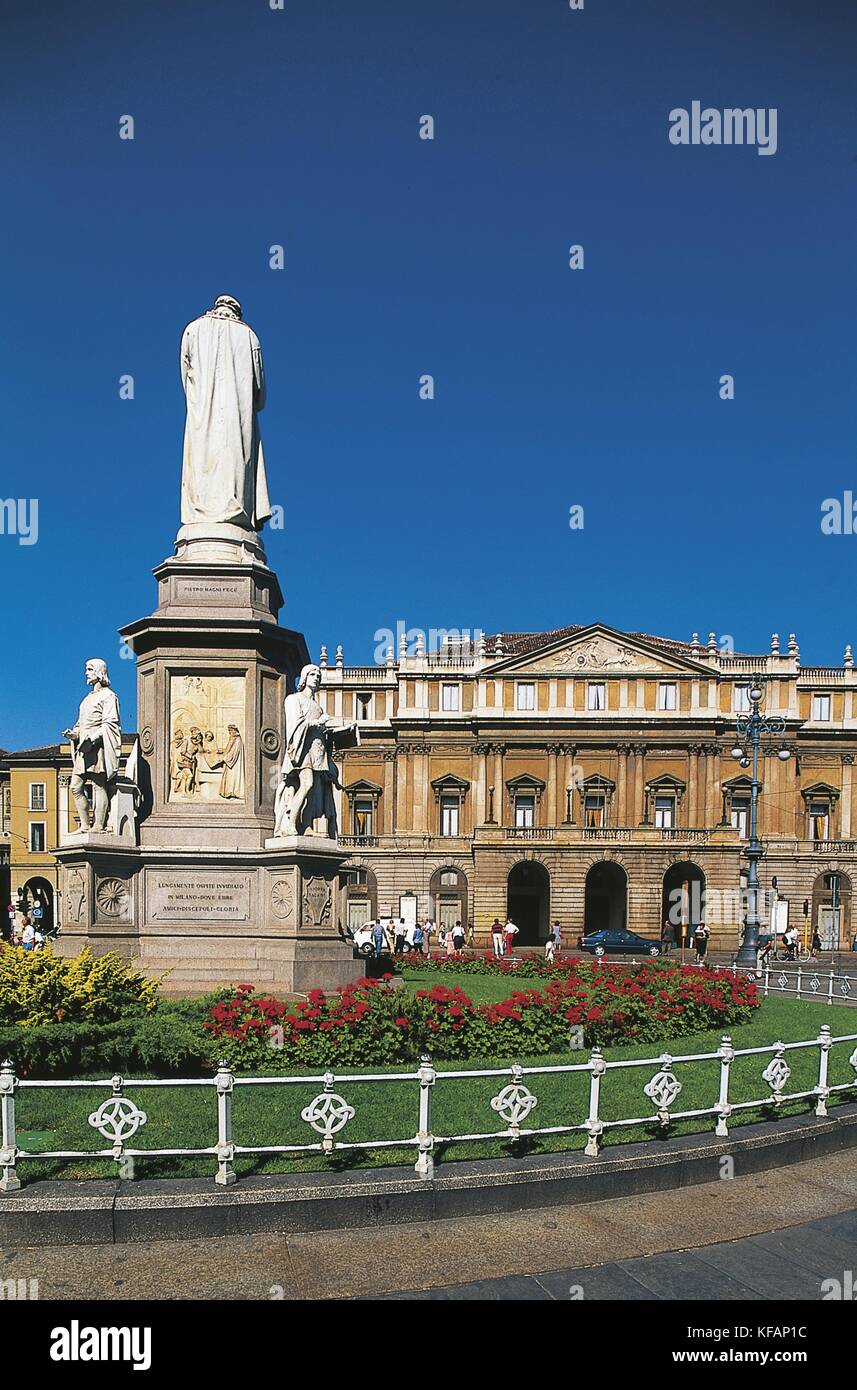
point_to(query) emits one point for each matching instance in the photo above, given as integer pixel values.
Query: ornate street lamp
(750, 728)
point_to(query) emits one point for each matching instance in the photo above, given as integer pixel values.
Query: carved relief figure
(206, 760)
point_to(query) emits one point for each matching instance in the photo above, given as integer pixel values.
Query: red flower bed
(370, 1022)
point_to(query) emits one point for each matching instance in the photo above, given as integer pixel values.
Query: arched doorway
(831, 910)
(683, 900)
(528, 902)
(606, 897)
(39, 891)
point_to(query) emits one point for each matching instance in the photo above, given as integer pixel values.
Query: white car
(363, 943)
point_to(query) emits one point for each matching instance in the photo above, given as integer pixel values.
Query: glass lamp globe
(737, 752)
(784, 754)
(755, 691)
(744, 762)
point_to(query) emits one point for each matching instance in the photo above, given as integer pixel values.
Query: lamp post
(750, 728)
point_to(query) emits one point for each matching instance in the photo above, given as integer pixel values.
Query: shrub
(38, 987)
(370, 1023)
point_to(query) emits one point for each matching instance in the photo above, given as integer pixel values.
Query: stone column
(499, 785)
(569, 804)
(480, 783)
(550, 812)
(400, 818)
(692, 784)
(389, 823)
(845, 813)
(62, 808)
(623, 752)
(639, 783)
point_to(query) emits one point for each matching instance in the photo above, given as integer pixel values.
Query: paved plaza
(773, 1235)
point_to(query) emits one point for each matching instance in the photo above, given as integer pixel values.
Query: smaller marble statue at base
(96, 741)
(309, 774)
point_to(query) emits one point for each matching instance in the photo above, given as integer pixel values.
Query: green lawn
(482, 989)
(271, 1114)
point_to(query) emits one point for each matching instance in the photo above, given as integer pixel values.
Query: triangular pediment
(598, 651)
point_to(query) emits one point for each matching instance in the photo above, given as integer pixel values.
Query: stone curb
(98, 1212)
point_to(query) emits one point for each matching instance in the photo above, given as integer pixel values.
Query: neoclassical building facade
(587, 775)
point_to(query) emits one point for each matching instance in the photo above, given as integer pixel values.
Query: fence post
(830, 989)
(799, 975)
(224, 1081)
(726, 1053)
(9, 1180)
(595, 1126)
(767, 980)
(424, 1165)
(822, 1090)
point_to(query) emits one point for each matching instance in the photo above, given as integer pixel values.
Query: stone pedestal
(201, 890)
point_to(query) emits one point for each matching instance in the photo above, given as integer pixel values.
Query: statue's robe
(232, 778)
(98, 728)
(223, 468)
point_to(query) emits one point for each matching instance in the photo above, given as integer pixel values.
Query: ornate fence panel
(663, 1079)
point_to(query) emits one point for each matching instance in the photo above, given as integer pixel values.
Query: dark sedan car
(618, 941)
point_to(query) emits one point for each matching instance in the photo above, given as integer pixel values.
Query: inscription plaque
(198, 897)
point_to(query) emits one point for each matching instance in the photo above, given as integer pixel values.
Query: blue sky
(598, 387)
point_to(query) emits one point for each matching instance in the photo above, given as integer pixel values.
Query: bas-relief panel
(206, 738)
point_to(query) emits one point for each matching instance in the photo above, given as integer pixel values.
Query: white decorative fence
(804, 982)
(118, 1117)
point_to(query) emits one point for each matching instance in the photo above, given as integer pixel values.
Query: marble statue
(96, 741)
(309, 773)
(223, 467)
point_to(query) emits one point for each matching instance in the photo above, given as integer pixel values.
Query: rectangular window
(742, 699)
(525, 811)
(364, 816)
(526, 695)
(596, 695)
(449, 808)
(819, 820)
(665, 812)
(37, 796)
(594, 810)
(38, 840)
(821, 707)
(666, 695)
(739, 815)
(359, 912)
(450, 699)
(364, 707)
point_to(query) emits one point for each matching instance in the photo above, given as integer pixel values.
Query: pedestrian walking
(458, 937)
(400, 932)
(497, 937)
(510, 931)
(428, 933)
(816, 942)
(700, 941)
(668, 936)
(378, 938)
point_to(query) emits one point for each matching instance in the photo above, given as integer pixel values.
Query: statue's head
(224, 303)
(96, 671)
(310, 677)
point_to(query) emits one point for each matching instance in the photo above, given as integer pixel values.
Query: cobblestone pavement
(765, 1236)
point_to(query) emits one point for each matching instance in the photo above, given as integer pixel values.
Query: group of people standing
(697, 936)
(395, 936)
